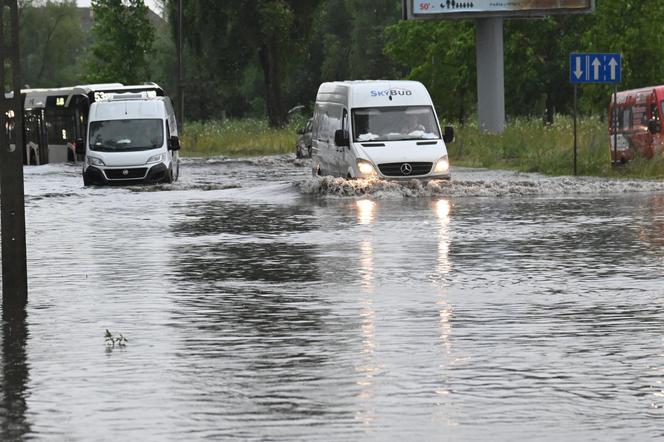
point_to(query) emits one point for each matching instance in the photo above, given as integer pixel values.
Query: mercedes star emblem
(125, 172)
(406, 169)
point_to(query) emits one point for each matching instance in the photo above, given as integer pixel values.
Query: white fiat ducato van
(378, 129)
(131, 138)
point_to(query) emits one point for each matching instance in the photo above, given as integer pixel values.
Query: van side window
(168, 131)
(654, 112)
(344, 120)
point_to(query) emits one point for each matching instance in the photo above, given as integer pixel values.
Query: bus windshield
(126, 135)
(395, 123)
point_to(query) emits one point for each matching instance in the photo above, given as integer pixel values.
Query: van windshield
(395, 123)
(125, 135)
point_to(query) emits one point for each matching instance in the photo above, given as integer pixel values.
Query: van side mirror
(342, 138)
(173, 143)
(654, 126)
(80, 146)
(448, 134)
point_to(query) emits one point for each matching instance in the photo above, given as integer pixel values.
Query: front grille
(132, 173)
(395, 169)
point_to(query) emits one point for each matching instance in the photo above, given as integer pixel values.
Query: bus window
(626, 120)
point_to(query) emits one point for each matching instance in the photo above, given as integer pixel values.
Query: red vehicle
(635, 127)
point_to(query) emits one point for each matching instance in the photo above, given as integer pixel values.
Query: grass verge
(235, 138)
(526, 145)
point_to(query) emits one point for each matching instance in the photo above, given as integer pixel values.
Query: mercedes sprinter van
(378, 129)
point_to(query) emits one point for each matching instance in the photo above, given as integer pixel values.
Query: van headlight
(442, 165)
(161, 158)
(94, 161)
(366, 168)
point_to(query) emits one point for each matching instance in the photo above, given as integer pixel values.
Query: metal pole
(12, 196)
(574, 129)
(180, 74)
(615, 124)
(490, 74)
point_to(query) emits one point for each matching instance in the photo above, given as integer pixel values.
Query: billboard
(467, 9)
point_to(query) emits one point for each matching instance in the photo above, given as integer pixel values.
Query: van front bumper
(126, 175)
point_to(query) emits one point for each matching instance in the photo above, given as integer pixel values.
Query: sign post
(594, 68)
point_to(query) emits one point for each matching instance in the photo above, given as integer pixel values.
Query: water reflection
(651, 230)
(256, 333)
(366, 211)
(367, 368)
(15, 425)
(258, 249)
(442, 209)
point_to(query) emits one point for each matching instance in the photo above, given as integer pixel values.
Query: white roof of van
(131, 108)
(369, 93)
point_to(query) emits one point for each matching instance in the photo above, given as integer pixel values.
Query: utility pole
(180, 71)
(12, 194)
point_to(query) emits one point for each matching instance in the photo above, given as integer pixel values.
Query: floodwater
(261, 304)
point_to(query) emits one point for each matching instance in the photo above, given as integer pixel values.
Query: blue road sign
(595, 68)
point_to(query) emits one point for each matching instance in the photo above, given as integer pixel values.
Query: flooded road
(261, 304)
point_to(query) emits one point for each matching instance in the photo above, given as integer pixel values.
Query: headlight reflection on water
(366, 211)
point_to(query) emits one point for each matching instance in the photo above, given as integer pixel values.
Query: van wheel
(86, 181)
(169, 176)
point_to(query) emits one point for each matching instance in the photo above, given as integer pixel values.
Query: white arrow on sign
(578, 72)
(596, 65)
(614, 64)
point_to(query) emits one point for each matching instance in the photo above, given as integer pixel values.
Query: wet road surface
(261, 304)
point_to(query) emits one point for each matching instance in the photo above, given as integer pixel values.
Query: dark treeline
(264, 57)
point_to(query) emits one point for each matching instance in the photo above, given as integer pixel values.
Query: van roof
(120, 109)
(369, 93)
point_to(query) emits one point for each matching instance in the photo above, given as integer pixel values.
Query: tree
(368, 21)
(441, 55)
(52, 43)
(123, 36)
(226, 38)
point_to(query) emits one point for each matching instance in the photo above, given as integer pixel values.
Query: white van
(131, 138)
(381, 129)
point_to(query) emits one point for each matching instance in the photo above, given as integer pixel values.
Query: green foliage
(442, 56)
(52, 43)
(247, 137)
(224, 39)
(123, 37)
(367, 22)
(527, 145)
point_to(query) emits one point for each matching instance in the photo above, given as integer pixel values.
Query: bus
(53, 119)
(635, 124)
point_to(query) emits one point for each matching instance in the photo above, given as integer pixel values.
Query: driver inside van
(412, 124)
